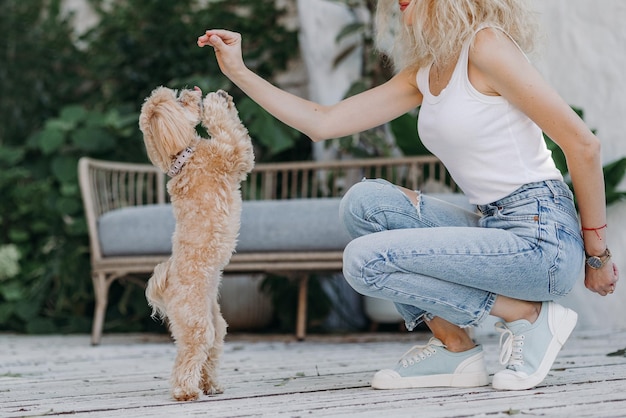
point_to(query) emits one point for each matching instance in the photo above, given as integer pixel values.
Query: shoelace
(417, 353)
(512, 347)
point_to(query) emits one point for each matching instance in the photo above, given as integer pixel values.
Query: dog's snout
(223, 94)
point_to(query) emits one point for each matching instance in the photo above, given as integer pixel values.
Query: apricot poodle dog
(206, 199)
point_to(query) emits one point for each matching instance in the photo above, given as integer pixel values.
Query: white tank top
(489, 146)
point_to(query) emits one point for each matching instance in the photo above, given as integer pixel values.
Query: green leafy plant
(9, 261)
(45, 222)
(41, 66)
(613, 175)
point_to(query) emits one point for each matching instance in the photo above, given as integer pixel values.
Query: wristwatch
(598, 261)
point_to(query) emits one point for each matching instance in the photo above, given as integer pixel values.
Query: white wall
(584, 57)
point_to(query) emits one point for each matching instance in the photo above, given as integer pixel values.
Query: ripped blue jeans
(437, 259)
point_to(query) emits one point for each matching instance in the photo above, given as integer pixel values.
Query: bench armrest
(108, 185)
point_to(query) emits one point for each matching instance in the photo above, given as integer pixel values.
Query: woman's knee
(353, 267)
(351, 210)
(359, 202)
(352, 203)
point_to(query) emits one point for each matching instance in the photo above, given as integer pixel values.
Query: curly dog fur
(206, 200)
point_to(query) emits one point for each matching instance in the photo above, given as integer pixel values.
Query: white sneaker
(431, 365)
(529, 350)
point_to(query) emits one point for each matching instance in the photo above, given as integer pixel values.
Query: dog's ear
(166, 129)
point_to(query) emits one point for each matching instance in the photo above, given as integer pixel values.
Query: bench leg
(303, 283)
(101, 286)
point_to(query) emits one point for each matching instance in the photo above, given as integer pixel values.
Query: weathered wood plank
(275, 376)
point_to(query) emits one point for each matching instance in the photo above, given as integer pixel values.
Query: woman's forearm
(585, 168)
(303, 115)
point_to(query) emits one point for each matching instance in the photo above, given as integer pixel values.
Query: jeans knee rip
(418, 203)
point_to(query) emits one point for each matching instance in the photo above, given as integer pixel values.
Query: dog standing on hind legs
(206, 200)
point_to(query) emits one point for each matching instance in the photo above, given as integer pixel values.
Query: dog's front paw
(219, 110)
(190, 100)
(185, 394)
(224, 95)
(218, 101)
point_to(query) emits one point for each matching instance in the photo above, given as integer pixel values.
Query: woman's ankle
(513, 309)
(456, 345)
(455, 339)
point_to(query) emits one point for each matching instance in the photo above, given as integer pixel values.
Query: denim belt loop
(553, 189)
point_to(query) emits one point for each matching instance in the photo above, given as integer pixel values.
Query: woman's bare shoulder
(491, 45)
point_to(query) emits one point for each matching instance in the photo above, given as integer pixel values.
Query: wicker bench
(108, 188)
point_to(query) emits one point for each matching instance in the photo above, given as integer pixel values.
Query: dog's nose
(223, 94)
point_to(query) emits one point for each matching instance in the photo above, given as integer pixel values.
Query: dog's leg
(210, 386)
(191, 324)
(155, 291)
(221, 120)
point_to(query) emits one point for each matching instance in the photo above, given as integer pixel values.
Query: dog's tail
(156, 290)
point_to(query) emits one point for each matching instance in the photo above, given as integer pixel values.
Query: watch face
(594, 262)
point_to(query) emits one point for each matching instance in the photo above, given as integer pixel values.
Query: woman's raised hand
(227, 46)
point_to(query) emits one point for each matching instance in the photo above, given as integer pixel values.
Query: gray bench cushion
(266, 225)
(137, 230)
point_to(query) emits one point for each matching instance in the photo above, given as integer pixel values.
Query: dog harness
(181, 160)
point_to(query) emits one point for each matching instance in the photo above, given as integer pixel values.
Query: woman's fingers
(218, 38)
(227, 47)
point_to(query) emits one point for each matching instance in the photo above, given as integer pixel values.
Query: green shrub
(45, 221)
(41, 66)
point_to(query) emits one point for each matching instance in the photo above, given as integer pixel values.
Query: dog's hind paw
(182, 394)
(211, 388)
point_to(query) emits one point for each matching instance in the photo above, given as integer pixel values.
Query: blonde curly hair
(440, 27)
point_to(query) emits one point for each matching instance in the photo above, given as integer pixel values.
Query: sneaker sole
(509, 380)
(389, 379)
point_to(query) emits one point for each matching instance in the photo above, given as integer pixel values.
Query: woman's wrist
(595, 249)
(595, 239)
(599, 261)
(246, 79)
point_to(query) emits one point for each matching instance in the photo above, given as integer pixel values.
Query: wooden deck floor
(274, 376)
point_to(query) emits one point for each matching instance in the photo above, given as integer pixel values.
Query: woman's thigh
(529, 252)
(488, 260)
